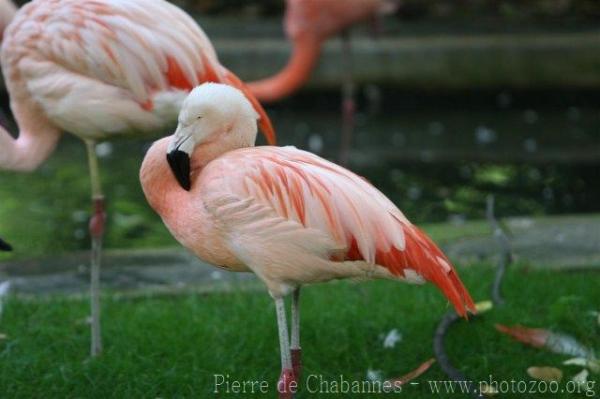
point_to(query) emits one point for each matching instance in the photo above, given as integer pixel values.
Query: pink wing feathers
(137, 46)
(302, 188)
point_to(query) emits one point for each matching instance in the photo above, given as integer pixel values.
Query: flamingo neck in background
(36, 140)
(304, 57)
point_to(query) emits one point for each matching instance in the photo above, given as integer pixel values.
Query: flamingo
(99, 70)
(287, 215)
(308, 24)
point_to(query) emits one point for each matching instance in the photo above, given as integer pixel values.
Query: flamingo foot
(287, 384)
(297, 362)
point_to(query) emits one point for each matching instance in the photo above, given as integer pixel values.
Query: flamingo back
(137, 45)
(318, 195)
(107, 66)
(324, 18)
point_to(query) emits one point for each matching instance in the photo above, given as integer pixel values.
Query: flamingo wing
(315, 206)
(141, 46)
(97, 55)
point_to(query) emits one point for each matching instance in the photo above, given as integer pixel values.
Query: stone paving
(564, 242)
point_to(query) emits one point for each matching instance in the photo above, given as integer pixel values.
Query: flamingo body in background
(100, 69)
(287, 215)
(308, 24)
(7, 13)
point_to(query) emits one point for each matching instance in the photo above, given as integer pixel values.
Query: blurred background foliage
(436, 153)
(425, 9)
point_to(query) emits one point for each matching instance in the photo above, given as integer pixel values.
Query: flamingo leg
(348, 102)
(97, 233)
(287, 373)
(295, 349)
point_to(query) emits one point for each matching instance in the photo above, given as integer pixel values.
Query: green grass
(171, 346)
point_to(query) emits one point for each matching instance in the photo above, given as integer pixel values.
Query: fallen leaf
(532, 336)
(596, 315)
(486, 389)
(413, 374)
(4, 289)
(581, 377)
(392, 338)
(592, 364)
(483, 306)
(541, 338)
(374, 375)
(86, 321)
(545, 373)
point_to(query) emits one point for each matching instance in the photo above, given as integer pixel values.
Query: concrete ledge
(524, 60)
(558, 242)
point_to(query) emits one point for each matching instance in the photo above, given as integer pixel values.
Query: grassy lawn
(171, 346)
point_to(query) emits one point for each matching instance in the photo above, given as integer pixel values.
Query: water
(436, 157)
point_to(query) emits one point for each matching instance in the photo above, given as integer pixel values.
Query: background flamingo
(287, 215)
(7, 13)
(100, 70)
(308, 24)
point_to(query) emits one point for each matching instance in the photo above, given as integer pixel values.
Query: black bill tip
(4, 246)
(179, 162)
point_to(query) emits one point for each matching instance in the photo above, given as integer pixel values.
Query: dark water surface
(437, 157)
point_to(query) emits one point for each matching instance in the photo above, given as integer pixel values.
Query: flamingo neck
(161, 188)
(158, 183)
(37, 138)
(297, 71)
(182, 211)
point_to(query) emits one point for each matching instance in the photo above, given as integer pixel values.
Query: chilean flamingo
(101, 69)
(287, 215)
(308, 24)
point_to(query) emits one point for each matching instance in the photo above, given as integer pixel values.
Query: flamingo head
(325, 18)
(214, 117)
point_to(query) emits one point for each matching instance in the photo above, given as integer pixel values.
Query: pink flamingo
(101, 69)
(308, 24)
(287, 215)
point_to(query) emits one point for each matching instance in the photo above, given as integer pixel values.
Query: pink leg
(295, 349)
(348, 102)
(287, 384)
(376, 26)
(97, 223)
(98, 220)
